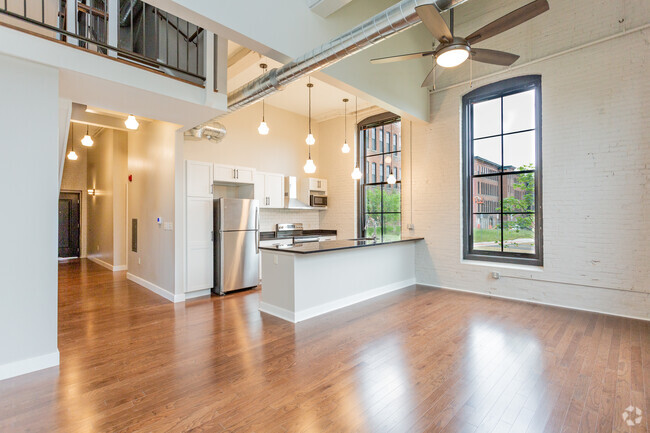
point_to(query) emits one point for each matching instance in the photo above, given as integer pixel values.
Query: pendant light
(87, 140)
(346, 147)
(131, 122)
(263, 129)
(310, 140)
(356, 173)
(391, 177)
(72, 156)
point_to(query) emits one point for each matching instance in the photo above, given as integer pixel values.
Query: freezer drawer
(238, 257)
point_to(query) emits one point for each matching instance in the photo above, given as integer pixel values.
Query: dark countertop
(343, 244)
(271, 236)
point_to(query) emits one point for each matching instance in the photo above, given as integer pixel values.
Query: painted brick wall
(270, 217)
(594, 58)
(596, 160)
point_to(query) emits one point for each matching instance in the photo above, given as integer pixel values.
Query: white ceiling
(327, 100)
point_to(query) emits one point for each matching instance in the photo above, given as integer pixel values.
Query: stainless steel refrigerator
(236, 247)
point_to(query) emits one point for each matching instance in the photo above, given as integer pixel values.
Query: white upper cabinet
(199, 179)
(233, 174)
(319, 185)
(269, 189)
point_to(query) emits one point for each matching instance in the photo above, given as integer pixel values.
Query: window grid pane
(502, 189)
(380, 202)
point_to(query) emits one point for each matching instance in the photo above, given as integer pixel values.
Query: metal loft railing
(135, 31)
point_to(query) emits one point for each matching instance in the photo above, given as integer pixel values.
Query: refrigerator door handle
(257, 231)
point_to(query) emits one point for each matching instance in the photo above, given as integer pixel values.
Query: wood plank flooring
(416, 360)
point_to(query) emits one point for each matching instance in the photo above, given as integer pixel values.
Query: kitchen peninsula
(306, 280)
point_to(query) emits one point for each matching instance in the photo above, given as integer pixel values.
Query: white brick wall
(270, 217)
(596, 160)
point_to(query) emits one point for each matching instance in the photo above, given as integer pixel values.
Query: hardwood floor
(412, 361)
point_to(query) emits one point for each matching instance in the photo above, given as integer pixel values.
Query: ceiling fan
(454, 50)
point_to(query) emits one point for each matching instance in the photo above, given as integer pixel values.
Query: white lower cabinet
(269, 189)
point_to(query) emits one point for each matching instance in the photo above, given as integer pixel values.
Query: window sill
(514, 266)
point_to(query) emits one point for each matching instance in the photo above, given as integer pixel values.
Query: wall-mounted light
(87, 140)
(91, 192)
(131, 122)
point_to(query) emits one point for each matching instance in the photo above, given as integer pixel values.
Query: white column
(113, 24)
(71, 21)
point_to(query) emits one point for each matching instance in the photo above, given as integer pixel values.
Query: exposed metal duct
(393, 20)
(213, 131)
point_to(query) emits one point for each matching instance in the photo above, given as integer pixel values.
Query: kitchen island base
(297, 287)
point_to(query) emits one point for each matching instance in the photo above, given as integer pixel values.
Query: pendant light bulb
(356, 173)
(391, 179)
(346, 147)
(263, 129)
(310, 167)
(72, 156)
(131, 122)
(87, 140)
(310, 140)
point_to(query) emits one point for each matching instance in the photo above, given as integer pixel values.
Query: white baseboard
(532, 301)
(156, 289)
(277, 312)
(29, 365)
(107, 265)
(197, 294)
(308, 313)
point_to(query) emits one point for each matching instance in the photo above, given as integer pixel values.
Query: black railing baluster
(144, 29)
(178, 40)
(187, 46)
(156, 30)
(131, 17)
(197, 50)
(43, 10)
(25, 8)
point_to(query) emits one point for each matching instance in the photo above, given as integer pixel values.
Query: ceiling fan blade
(493, 57)
(508, 21)
(401, 57)
(434, 22)
(428, 81)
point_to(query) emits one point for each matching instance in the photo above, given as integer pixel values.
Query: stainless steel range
(294, 231)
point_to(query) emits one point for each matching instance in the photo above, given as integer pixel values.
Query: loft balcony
(130, 31)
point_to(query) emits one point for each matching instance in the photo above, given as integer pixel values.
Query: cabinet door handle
(233, 173)
(237, 171)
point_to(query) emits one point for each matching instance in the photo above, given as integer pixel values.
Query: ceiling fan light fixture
(452, 56)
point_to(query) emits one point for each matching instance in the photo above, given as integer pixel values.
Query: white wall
(151, 159)
(283, 151)
(337, 169)
(596, 124)
(106, 174)
(28, 265)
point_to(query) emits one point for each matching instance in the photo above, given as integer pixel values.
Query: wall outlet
(139, 261)
(410, 226)
(169, 226)
(275, 259)
(496, 275)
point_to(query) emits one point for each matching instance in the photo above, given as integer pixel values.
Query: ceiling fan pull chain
(470, 72)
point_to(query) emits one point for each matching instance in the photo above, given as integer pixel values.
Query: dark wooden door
(69, 226)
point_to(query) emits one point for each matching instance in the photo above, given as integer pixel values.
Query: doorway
(69, 224)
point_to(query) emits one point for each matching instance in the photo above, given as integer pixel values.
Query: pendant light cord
(345, 121)
(309, 87)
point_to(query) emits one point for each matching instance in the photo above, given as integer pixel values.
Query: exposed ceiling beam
(80, 115)
(241, 60)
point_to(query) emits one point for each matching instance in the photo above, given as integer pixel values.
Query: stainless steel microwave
(318, 200)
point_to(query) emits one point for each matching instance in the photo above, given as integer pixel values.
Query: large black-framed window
(502, 172)
(380, 152)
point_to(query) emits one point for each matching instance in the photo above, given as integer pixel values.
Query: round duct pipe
(213, 131)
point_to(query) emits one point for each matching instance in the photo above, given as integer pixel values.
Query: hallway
(414, 360)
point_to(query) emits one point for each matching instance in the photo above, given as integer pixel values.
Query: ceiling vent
(213, 131)
(325, 8)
